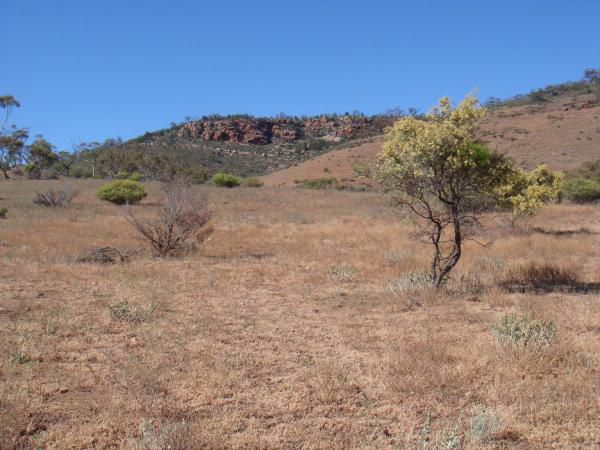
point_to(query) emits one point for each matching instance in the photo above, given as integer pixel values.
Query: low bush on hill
(227, 180)
(121, 192)
(582, 190)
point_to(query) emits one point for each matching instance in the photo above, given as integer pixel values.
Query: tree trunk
(441, 266)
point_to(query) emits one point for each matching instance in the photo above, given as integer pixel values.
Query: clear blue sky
(87, 70)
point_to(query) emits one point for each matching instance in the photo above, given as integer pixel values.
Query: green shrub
(135, 176)
(223, 179)
(318, 183)
(252, 182)
(582, 190)
(524, 331)
(122, 192)
(122, 175)
(3, 212)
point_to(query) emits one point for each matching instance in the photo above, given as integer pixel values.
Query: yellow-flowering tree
(437, 168)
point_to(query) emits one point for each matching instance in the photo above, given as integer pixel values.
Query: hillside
(563, 132)
(558, 125)
(240, 144)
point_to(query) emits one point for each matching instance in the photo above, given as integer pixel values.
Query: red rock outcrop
(266, 131)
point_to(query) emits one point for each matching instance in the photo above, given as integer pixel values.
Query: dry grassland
(285, 331)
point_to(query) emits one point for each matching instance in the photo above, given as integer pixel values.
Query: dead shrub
(54, 198)
(104, 255)
(182, 223)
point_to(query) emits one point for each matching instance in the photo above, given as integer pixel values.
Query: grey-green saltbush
(523, 331)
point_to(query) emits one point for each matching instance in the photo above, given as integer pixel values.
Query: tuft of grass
(131, 313)
(394, 257)
(524, 332)
(484, 424)
(342, 273)
(169, 435)
(410, 283)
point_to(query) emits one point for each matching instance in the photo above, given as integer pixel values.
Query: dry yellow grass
(284, 332)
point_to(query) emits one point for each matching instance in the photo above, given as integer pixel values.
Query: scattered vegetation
(227, 180)
(122, 192)
(589, 84)
(181, 225)
(3, 212)
(54, 198)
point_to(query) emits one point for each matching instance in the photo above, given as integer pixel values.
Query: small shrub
(410, 283)
(227, 180)
(252, 182)
(54, 198)
(582, 190)
(128, 312)
(122, 175)
(122, 192)
(104, 255)
(343, 273)
(541, 275)
(3, 212)
(135, 176)
(318, 183)
(524, 332)
(484, 424)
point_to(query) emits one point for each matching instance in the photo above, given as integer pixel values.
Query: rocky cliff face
(266, 131)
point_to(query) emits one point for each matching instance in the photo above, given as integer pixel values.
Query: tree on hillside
(12, 139)
(40, 155)
(438, 169)
(592, 77)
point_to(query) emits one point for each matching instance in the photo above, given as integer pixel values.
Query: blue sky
(90, 70)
